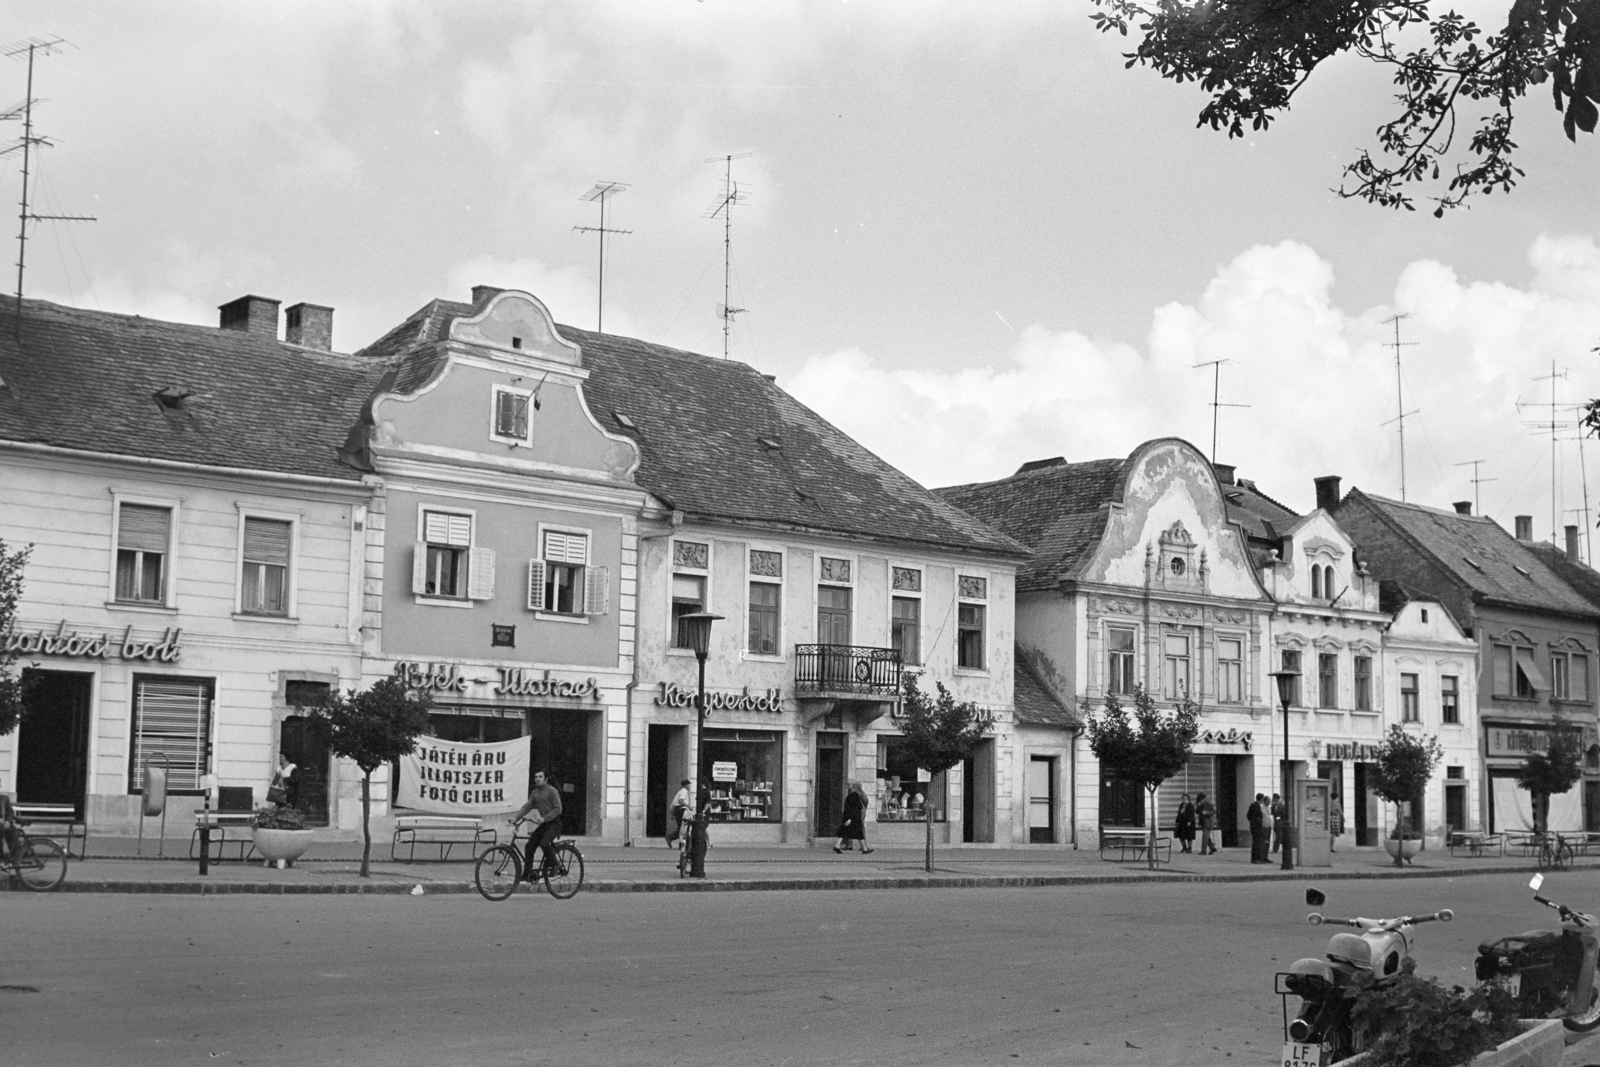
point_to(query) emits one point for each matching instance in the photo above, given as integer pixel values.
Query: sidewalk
(333, 865)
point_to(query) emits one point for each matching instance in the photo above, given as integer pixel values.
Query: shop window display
(757, 762)
(901, 798)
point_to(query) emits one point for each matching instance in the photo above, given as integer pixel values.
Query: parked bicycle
(686, 844)
(1555, 852)
(38, 863)
(500, 868)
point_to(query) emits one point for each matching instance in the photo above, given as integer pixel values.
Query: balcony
(846, 671)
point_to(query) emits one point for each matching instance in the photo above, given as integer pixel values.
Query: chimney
(1463, 507)
(1524, 527)
(1572, 543)
(482, 293)
(1327, 491)
(251, 314)
(1224, 472)
(309, 325)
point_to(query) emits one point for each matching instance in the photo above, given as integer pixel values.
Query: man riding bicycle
(545, 803)
(10, 833)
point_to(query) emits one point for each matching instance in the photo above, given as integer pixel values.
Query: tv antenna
(731, 194)
(32, 47)
(1553, 428)
(1477, 505)
(602, 192)
(1399, 392)
(1216, 401)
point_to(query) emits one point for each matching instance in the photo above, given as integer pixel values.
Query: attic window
(803, 495)
(623, 420)
(1234, 498)
(172, 397)
(516, 342)
(1525, 572)
(1472, 562)
(771, 444)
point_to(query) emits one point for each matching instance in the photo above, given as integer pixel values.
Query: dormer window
(516, 342)
(511, 410)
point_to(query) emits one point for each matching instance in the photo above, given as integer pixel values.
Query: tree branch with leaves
(12, 696)
(938, 733)
(1555, 770)
(1402, 768)
(1148, 747)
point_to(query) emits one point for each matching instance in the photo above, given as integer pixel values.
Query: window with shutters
(446, 565)
(563, 580)
(144, 547)
(171, 719)
(264, 579)
(511, 408)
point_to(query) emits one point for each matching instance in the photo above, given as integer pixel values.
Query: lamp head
(1287, 682)
(697, 627)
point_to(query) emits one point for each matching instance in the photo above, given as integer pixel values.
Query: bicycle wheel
(1564, 856)
(497, 872)
(683, 859)
(1547, 855)
(41, 864)
(567, 876)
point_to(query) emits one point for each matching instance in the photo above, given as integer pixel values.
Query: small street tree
(1404, 764)
(938, 733)
(12, 563)
(1555, 770)
(1147, 747)
(370, 729)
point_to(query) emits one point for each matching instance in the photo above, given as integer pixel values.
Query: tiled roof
(87, 380)
(1478, 555)
(701, 423)
(1584, 579)
(1036, 705)
(1263, 519)
(1059, 511)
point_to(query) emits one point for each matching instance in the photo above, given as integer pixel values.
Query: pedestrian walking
(1260, 838)
(1183, 829)
(1335, 822)
(1279, 825)
(1207, 813)
(853, 827)
(675, 812)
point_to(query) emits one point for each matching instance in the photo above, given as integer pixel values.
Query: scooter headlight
(1300, 1030)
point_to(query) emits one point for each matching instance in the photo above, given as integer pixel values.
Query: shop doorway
(666, 764)
(977, 795)
(1455, 807)
(1042, 800)
(559, 746)
(1591, 806)
(1227, 800)
(53, 742)
(1364, 808)
(828, 803)
(308, 751)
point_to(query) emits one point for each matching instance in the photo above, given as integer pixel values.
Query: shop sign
(509, 681)
(1354, 751)
(724, 771)
(1230, 736)
(676, 696)
(984, 719)
(458, 778)
(1519, 741)
(92, 646)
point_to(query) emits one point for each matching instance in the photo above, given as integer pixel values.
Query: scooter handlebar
(1443, 916)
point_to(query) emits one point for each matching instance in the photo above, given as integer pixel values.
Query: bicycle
(499, 869)
(685, 844)
(39, 863)
(1555, 852)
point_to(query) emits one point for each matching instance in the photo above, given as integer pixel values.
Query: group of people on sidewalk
(1202, 813)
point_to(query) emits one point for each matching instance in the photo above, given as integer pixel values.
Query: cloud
(568, 292)
(1319, 381)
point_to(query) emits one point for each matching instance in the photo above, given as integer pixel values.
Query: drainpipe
(627, 756)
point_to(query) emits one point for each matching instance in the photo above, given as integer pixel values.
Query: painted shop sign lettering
(1355, 751)
(1523, 740)
(508, 681)
(79, 645)
(676, 696)
(1224, 737)
(459, 778)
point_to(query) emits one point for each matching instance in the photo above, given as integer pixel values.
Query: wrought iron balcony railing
(846, 669)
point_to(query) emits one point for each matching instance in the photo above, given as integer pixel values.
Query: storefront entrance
(666, 764)
(1042, 800)
(828, 803)
(977, 795)
(308, 786)
(558, 741)
(53, 741)
(1364, 808)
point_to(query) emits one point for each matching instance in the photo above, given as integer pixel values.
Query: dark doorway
(1227, 800)
(658, 783)
(1455, 807)
(308, 786)
(1121, 803)
(53, 743)
(977, 795)
(828, 805)
(559, 743)
(1362, 808)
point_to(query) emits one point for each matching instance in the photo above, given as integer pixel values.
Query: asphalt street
(1127, 974)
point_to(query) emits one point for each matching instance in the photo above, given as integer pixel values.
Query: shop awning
(1530, 669)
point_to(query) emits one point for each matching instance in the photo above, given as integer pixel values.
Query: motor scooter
(1549, 972)
(1321, 1031)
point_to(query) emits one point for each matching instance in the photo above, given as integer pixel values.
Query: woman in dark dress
(853, 827)
(1183, 829)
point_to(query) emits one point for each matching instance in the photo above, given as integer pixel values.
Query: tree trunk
(1150, 852)
(1400, 825)
(366, 824)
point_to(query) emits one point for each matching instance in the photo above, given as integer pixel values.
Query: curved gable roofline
(1119, 494)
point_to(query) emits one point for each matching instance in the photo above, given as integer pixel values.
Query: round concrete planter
(1540, 1044)
(285, 845)
(1408, 847)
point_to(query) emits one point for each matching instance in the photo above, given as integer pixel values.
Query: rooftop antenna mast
(602, 192)
(1399, 393)
(1477, 504)
(1553, 428)
(731, 194)
(1216, 398)
(33, 46)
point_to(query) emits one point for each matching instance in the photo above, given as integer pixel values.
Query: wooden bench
(1524, 840)
(446, 831)
(58, 822)
(1133, 843)
(1476, 843)
(228, 828)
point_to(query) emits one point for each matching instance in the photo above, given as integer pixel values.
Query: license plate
(1302, 1054)
(1512, 984)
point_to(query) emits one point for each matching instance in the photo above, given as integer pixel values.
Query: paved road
(1142, 974)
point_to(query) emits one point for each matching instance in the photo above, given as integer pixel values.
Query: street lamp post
(696, 630)
(1287, 682)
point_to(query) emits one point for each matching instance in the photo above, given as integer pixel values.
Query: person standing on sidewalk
(1259, 838)
(1279, 812)
(1207, 813)
(1183, 828)
(1335, 822)
(853, 827)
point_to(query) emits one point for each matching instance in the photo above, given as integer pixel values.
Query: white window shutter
(596, 590)
(480, 574)
(536, 585)
(419, 568)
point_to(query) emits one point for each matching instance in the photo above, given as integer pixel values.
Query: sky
(965, 234)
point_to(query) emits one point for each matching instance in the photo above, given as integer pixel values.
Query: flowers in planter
(280, 818)
(1419, 1022)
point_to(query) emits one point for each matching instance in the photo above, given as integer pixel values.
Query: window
(1175, 678)
(1316, 582)
(171, 718)
(1450, 698)
(906, 629)
(1569, 675)
(563, 580)
(691, 564)
(511, 414)
(1558, 675)
(906, 790)
(766, 602)
(969, 622)
(1291, 663)
(144, 538)
(264, 589)
(1363, 683)
(1515, 674)
(1327, 680)
(445, 563)
(1230, 670)
(1120, 669)
(750, 788)
(1410, 699)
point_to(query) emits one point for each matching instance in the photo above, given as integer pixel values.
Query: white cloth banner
(456, 778)
(1513, 808)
